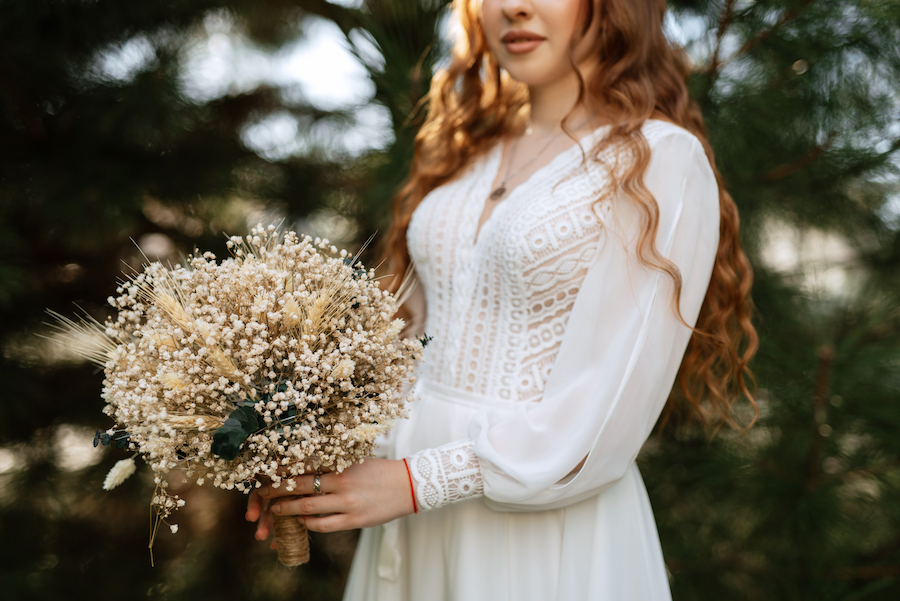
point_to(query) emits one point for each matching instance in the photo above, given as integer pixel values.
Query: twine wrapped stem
(292, 539)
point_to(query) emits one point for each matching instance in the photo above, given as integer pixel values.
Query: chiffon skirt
(603, 548)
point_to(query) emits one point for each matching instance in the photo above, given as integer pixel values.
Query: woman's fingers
(303, 485)
(365, 494)
(264, 526)
(330, 523)
(262, 500)
(258, 511)
(254, 507)
(310, 505)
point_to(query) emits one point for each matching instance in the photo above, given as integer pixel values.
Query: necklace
(500, 191)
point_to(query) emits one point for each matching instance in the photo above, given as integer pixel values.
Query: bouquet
(281, 360)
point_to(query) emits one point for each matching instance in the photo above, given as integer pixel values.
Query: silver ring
(317, 484)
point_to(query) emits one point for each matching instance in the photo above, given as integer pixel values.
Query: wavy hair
(472, 104)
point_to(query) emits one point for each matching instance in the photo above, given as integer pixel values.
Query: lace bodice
(498, 305)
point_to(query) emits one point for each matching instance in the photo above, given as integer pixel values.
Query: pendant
(498, 193)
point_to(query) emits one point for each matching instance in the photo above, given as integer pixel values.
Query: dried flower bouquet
(283, 359)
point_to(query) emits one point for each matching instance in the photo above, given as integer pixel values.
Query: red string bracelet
(411, 489)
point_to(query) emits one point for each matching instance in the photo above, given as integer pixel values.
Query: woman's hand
(366, 494)
(258, 511)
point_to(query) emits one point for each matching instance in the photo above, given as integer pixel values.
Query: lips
(519, 41)
(520, 35)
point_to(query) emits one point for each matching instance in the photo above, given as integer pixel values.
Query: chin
(536, 77)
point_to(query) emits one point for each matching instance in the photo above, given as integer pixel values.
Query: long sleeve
(615, 367)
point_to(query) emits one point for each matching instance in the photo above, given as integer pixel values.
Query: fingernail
(276, 508)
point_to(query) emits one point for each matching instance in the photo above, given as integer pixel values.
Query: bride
(577, 254)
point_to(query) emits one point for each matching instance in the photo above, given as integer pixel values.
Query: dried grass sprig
(85, 338)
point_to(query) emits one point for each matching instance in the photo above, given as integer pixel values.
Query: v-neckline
(512, 191)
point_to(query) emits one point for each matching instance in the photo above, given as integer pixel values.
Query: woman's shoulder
(658, 130)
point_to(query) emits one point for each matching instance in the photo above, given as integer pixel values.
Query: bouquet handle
(292, 539)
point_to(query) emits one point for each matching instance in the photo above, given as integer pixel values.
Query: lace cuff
(446, 475)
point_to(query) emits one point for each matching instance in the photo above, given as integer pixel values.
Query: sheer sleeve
(618, 359)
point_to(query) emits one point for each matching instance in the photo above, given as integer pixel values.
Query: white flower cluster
(282, 359)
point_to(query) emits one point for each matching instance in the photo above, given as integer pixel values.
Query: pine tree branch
(345, 18)
(724, 23)
(800, 164)
(826, 358)
(894, 146)
(727, 19)
(762, 36)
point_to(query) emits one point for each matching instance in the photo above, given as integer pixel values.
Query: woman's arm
(617, 362)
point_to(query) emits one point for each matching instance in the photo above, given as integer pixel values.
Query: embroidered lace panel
(498, 306)
(445, 475)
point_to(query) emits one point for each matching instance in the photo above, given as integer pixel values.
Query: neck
(551, 103)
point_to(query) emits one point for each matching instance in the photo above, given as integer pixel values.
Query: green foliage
(240, 425)
(244, 421)
(801, 103)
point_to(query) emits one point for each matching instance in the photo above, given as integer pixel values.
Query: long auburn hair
(472, 104)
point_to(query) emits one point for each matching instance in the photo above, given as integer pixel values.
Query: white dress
(551, 344)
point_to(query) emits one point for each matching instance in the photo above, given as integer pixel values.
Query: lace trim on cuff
(446, 475)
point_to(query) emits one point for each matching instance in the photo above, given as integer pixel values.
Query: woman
(568, 228)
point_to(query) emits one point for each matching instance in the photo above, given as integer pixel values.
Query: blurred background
(163, 124)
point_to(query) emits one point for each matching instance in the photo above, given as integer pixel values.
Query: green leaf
(249, 419)
(227, 439)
